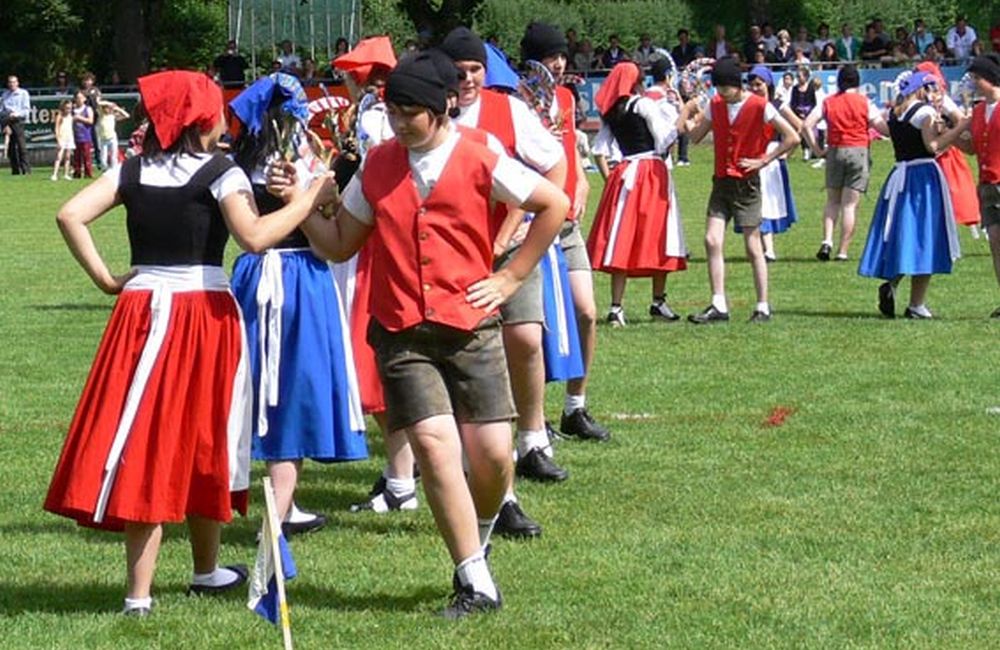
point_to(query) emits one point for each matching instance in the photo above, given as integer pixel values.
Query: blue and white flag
(263, 596)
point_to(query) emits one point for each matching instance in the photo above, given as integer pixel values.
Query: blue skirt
(778, 211)
(913, 230)
(560, 337)
(317, 413)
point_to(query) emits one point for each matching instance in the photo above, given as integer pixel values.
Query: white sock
(827, 242)
(400, 486)
(920, 309)
(616, 309)
(218, 578)
(474, 571)
(485, 529)
(528, 440)
(298, 516)
(719, 302)
(510, 497)
(764, 308)
(574, 402)
(138, 603)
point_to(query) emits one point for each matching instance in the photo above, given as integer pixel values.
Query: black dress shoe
(290, 528)
(662, 311)
(887, 300)
(465, 601)
(136, 612)
(581, 425)
(537, 466)
(823, 254)
(709, 315)
(512, 522)
(759, 317)
(915, 315)
(241, 572)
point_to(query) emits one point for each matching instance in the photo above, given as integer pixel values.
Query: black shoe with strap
(512, 522)
(537, 466)
(887, 300)
(823, 254)
(581, 425)
(290, 528)
(759, 316)
(466, 601)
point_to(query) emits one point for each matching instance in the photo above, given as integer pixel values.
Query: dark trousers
(682, 148)
(17, 150)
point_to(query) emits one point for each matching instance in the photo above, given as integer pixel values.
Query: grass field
(868, 519)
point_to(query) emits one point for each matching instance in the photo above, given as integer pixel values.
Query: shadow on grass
(419, 600)
(69, 306)
(868, 314)
(58, 598)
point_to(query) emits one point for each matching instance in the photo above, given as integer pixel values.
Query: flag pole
(279, 570)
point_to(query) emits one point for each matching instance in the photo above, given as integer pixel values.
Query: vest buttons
(427, 286)
(422, 211)
(425, 260)
(423, 235)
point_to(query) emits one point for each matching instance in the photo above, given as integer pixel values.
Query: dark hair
(251, 150)
(682, 31)
(189, 142)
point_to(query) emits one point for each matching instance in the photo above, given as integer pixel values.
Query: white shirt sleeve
(535, 145)
(602, 142)
(923, 114)
(513, 183)
(664, 133)
(770, 112)
(354, 202)
(233, 180)
(873, 111)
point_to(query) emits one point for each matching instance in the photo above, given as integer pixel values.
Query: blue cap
(763, 73)
(915, 82)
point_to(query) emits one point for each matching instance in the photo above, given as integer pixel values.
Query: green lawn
(869, 518)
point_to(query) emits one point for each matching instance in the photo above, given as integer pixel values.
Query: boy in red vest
(985, 143)
(427, 197)
(742, 124)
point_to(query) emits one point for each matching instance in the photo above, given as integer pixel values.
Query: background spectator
(800, 59)
(62, 86)
(783, 54)
(822, 40)
(15, 107)
(231, 67)
(583, 60)
(310, 76)
(644, 52)
(802, 41)
(922, 37)
(290, 61)
(685, 51)
(828, 56)
(754, 44)
(783, 92)
(880, 34)
(614, 54)
(959, 39)
(872, 49)
(848, 47)
(995, 36)
(770, 39)
(572, 45)
(719, 47)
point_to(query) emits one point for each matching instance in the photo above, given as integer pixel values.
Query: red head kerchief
(177, 99)
(620, 83)
(366, 55)
(932, 69)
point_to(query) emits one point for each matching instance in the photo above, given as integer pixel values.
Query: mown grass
(868, 518)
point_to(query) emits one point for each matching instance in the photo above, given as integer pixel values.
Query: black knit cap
(542, 40)
(659, 69)
(417, 82)
(987, 67)
(445, 67)
(462, 44)
(726, 72)
(848, 77)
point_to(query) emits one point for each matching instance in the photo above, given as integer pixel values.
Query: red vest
(427, 252)
(986, 142)
(495, 117)
(567, 117)
(744, 138)
(846, 117)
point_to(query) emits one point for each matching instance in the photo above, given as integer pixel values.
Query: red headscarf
(620, 83)
(366, 55)
(177, 99)
(933, 70)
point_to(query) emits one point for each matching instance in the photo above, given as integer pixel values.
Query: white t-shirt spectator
(960, 44)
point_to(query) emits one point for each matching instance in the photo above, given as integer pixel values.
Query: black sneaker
(290, 528)
(823, 254)
(915, 315)
(465, 601)
(136, 612)
(512, 522)
(759, 317)
(241, 572)
(616, 318)
(709, 315)
(537, 466)
(580, 424)
(381, 500)
(662, 311)
(887, 300)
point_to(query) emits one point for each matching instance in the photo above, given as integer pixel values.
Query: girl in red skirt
(633, 234)
(161, 432)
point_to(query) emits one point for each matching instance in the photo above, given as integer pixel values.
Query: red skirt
(176, 457)
(961, 186)
(372, 398)
(632, 232)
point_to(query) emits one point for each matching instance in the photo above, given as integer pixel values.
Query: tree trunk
(133, 21)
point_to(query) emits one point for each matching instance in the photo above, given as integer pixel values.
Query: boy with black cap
(427, 196)
(736, 118)
(523, 136)
(547, 45)
(985, 143)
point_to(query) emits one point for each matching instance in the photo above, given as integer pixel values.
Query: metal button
(425, 260)
(427, 286)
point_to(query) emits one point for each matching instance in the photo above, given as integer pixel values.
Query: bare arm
(808, 130)
(935, 141)
(602, 166)
(75, 215)
(879, 125)
(789, 140)
(336, 239)
(692, 122)
(582, 190)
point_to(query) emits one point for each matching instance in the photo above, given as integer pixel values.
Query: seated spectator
(289, 60)
(783, 93)
(719, 47)
(822, 40)
(597, 63)
(802, 41)
(784, 53)
(309, 75)
(770, 40)
(644, 52)
(61, 87)
(800, 59)
(848, 47)
(572, 45)
(921, 36)
(614, 54)
(759, 57)
(753, 44)
(960, 39)
(881, 36)
(872, 49)
(828, 56)
(685, 51)
(939, 51)
(584, 58)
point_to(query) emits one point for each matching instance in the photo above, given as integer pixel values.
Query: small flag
(263, 597)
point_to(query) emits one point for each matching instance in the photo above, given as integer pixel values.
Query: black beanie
(987, 67)
(417, 82)
(542, 40)
(848, 77)
(445, 67)
(726, 72)
(659, 69)
(462, 44)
